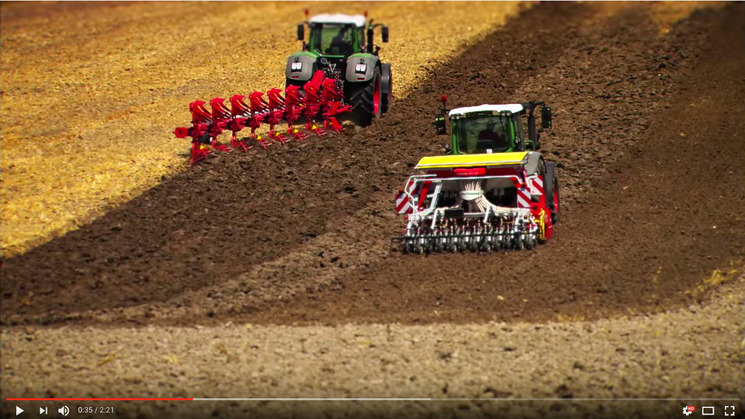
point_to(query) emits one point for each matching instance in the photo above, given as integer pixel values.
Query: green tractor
(342, 47)
(507, 129)
(491, 191)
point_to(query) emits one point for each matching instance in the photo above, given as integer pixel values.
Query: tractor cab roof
(464, 112)
(357, 20)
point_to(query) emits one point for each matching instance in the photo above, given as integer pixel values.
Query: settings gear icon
(687, 410)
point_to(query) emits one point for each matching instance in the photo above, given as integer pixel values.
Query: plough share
(320, 98)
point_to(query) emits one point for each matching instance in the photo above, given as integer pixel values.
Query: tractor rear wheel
(552, 191)
(386, 80)
(366, 100)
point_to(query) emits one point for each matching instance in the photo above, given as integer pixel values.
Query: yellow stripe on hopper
(466, 160)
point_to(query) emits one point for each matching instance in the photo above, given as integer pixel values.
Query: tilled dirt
(300, 233)
(470, 371)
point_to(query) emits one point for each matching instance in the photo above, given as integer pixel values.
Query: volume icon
(64, 410)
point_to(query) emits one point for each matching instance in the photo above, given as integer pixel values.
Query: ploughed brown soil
(652, 189)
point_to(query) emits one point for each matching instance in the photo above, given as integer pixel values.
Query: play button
(18, 410)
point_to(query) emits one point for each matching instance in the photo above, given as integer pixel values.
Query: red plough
(320, 98)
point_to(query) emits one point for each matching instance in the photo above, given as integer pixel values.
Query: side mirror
(440, 124)
(300, 32)
(370, 40)
(385, 34)
(546, 117)
(532, 132)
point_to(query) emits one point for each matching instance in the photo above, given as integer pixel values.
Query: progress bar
(97, 399)
(363, 399)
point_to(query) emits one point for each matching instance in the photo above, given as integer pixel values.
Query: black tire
(386, 86)
(551, 188)
(362, 98)
(541, 171)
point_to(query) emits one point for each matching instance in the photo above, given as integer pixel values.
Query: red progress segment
(95, 399)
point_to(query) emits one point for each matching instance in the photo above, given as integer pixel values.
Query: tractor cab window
(333, 39)
(488, 134)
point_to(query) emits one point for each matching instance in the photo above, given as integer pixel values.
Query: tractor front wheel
(366, 100)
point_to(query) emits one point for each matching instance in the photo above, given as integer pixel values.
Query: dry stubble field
(109, 82)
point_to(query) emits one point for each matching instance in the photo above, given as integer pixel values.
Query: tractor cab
(487, 129)
(336, 36)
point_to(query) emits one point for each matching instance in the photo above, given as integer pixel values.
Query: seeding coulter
(493, 190)
(337, 72)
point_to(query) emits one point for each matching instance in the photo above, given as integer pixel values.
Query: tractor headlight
(360, 68)
(296, 66)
